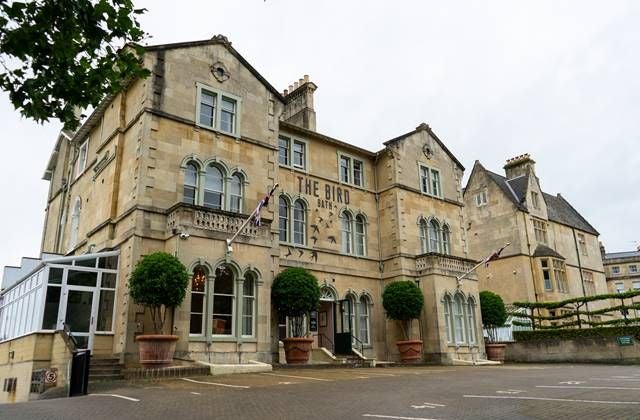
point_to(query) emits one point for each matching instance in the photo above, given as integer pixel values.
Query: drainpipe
(380, 263)
(584, 292)
(535, 289)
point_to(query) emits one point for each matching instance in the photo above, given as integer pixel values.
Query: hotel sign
(329, 196)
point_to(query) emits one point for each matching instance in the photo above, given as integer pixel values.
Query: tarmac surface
(531, 391)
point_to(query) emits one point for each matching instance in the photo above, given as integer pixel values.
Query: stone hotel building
(176, 163)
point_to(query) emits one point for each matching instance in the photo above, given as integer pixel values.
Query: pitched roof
(558, 209)
(224, 41)
(516, 198)
(626, 254)
(428, 129)
(545, 251)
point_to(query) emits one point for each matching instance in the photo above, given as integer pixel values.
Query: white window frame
(218, 109)
(615, 269)
(429, 184)
(291, 141)
(619, 286)
(540, 231)
(351, 170)
(634, 270)
(254, 307)
(350, 246)
(481, 198)
(81, 161)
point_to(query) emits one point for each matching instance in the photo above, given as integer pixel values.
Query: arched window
(214, 188)
(434, 236)
(223, 302)
(248, 305)
(471, 321)
(75, 223)
(347, 246)
(424, 244)
(458, 318)
(446, 247)
(198, 293)
(447, 319)
(363, 320)
(190, 194)
(235, 193)
(299, 223)
(360, 236)
(283, 219)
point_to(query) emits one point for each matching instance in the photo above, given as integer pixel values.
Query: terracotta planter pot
(156, 350)
(410, 350)
(495, 351)
(297, 349)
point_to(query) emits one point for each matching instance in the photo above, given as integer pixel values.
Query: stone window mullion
(239, 318)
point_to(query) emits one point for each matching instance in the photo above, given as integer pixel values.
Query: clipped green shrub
(158, 282)
(295, 292)
(494, 314)
(569, 334)
(403, 302)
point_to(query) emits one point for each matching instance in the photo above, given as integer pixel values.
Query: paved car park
(420, 392)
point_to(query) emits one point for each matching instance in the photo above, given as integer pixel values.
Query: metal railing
(323, 340)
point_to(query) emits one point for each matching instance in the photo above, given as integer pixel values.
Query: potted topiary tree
(494, 315)
(159, 283)
(403, 301)
(295, 292)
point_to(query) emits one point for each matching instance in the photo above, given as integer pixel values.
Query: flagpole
(246, 222)
(484, 261)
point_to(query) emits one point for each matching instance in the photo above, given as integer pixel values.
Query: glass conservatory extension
(77, 291)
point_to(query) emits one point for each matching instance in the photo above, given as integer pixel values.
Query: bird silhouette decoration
(288, 253)
(301, 252)
(332, 239)
(315, 228)
(314, 239)
(314, 256)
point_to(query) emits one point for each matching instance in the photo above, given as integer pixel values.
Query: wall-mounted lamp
(12, 354)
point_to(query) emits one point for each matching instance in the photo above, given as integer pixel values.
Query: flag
(263, 203)
(494, 255)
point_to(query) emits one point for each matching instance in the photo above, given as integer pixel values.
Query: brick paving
(421, 392)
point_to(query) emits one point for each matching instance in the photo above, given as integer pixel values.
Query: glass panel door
(79, 316)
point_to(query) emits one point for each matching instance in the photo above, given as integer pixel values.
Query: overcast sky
(494, 79)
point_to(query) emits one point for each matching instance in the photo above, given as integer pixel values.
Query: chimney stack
(519, 165)
(298, 108)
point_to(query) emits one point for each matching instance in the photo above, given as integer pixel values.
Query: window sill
(218, 131)
(294, 168)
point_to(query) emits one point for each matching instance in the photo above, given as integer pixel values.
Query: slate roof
(545, 251)
(626, 254)
(558, 209)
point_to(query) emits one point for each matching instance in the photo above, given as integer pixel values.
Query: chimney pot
(290, 88)
(301, 82)
(306, 78)
(295, 85)
(286, 92)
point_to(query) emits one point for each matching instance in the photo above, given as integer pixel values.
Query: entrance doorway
(80, 314)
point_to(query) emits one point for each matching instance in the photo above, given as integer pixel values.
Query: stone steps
(105, 369)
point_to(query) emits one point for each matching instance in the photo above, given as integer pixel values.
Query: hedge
(569, 334)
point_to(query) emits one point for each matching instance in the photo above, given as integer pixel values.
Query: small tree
(159, 282)
(295, 292)
(494, 314)
(403, 301)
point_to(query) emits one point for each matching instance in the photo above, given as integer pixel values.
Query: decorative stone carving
(220, 72)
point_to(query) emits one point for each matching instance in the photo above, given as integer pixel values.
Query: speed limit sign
(50, 377)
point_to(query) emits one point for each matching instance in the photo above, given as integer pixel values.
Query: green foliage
(493, 312)
(158, 281)
(295, 292)
(57, 55)
(568, 334)
(403, 301)
(571, 308)
(492, 309)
